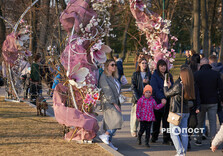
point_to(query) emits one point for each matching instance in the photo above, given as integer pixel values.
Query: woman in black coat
(182, 89)
(140, 79)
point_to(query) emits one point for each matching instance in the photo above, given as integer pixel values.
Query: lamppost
(163, 9)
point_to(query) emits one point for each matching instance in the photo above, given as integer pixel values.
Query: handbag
(122, 99)
(124, 81)
(174, 118)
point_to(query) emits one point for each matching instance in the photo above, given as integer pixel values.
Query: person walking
(213, 61)
(140, 78)
(157, 81)
(35, 78)
(184, 86)
(218, 139)
(25, 72)
(145, 113)
(111, 108)
(119, 67)
(187, 60)
(210, 88)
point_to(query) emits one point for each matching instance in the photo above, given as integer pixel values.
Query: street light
(163, 9)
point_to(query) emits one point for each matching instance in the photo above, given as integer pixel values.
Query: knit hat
(147, 87)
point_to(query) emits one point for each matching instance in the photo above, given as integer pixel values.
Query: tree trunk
(196, 30)
(44, 19)
(63, 4)
(211, 30)
(33, 23)
(221, 52)
(59, 29)
(124, 45)
(204, 27)
(2, 28)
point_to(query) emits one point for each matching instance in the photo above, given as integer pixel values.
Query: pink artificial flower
(172, 50)
(96, 96)
(79, 74)
(174, 38)
(28, 53)
(139, 4)
(99, 56)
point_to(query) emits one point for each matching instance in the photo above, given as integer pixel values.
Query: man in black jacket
(210, 87)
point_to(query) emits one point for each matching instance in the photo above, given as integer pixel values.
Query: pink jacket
(145, 109)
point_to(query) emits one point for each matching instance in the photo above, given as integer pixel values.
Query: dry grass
(24, 133)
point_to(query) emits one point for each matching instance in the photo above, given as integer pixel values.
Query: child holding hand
(145, 113)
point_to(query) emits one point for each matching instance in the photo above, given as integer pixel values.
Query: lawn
(24, 133)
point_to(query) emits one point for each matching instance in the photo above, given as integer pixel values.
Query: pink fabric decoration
(77, 12)
(10, 49)
(147, 22)
(88, 126)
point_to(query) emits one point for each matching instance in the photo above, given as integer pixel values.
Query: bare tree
(196, 28)
(2, 27)
(125, 34)
(63, 4)
(212, 13)
(44, 18)
(33, 23)
(221, 52)
(204, 27)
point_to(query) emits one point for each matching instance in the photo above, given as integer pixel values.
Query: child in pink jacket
(145, 113)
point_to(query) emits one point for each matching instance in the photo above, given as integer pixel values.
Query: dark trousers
(220, 116)
(35, 89)
(145, 126)
(156, 125)
(25, 86)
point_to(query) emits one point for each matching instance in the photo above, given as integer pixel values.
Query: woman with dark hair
(137, 58)
(111, 107)
(157, 81)
(140, 79)
(186, 80)
(194, 62)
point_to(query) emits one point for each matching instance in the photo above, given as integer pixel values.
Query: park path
(127, 144)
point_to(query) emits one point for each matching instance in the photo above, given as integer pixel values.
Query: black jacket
(174, 93)
(137, 87)
(210, 85)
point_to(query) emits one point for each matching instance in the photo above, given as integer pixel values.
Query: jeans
(133, 120)
(212, 111)
(180, 138)
(111, 133)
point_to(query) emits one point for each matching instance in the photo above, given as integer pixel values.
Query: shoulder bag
(174, 118)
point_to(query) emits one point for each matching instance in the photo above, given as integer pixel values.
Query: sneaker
(147, 145)
(112, 146)
(153, 141)
(134, 134)
(198, 143)
(104, 138)
(204, 137)
(188, 146)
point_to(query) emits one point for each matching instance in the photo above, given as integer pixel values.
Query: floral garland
(159, 39)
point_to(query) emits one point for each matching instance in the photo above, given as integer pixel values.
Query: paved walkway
(127, 144)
